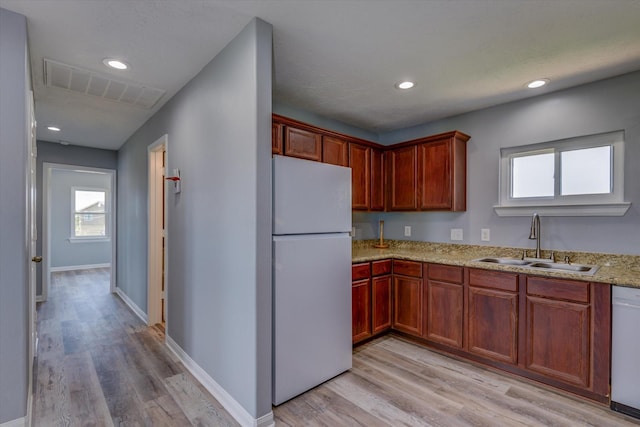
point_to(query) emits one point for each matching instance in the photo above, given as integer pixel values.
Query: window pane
(586, 171)
(90, 225)
(89, 201)
(532, 176)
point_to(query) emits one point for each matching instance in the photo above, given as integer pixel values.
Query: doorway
(78, 221)
(157, 245)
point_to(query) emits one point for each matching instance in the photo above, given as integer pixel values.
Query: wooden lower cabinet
(444, 305)
(555, 331)
(492, 315)
(360, 301)
(407, 297)
(558, 330)
(361, 310)
(381, 304)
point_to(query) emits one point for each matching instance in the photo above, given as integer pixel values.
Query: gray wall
(603, 106)
(14, 261)
(598, 107)
(219, 226)
(65, 253)
(69, 155)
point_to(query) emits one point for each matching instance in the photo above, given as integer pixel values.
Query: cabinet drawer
(569, 290)
(407, 268)
(493, 280)
(378, 268)
(360, 271)
(446, 273)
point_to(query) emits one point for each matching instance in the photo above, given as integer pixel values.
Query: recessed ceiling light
(405, 85)
(115, 63)
(537, 83)
(54, 128)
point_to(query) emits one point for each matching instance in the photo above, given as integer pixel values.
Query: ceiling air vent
(75, 79)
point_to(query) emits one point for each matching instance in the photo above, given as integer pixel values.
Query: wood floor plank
(197, 407)
(86, 401)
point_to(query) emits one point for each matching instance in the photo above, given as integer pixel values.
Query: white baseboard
(18, 422)
(132, 305)
(79, 267)
(220, 394)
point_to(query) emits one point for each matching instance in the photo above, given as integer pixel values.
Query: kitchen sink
(508, 261)
(573, 268)
(535, 264)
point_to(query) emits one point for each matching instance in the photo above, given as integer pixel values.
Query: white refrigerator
(311, 275)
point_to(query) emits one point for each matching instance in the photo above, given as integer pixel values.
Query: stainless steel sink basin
(508, 261)
(584, 269)
(573, 268)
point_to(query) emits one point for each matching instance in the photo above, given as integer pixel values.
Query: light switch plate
(407, 230)
(485, 234)
(456, 234)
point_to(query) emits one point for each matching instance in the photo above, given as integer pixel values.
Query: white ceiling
(337, 58)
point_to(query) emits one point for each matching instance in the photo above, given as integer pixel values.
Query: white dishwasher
(625, 351)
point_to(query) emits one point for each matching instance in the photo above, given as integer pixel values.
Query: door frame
(155, 209)
(47, 169)
(32, 238)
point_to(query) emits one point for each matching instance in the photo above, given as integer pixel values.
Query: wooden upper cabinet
(359, 161)
(442, 177)
(302, 144)
(276, 138)
(402, 179)
(335, 151)
(377, 180)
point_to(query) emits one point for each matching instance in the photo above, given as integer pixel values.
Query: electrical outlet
(456, 234)
(407, 230)
(485, 234)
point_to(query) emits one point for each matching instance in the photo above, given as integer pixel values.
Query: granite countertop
(623, 270)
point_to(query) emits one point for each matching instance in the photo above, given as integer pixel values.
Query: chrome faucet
(535, 232)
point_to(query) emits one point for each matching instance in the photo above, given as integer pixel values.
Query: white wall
(219, 226)
(64, 252)
(14, 261)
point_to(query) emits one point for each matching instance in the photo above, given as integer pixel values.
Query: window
(580, 176)
(89, 217)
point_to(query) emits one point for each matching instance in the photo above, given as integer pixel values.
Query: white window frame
(107, 217)
(608, 204)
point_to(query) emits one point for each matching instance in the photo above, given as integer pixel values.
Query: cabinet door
(377, 180)
(361, 309)
(302, 143)
(444, 313)
(407, 304)
(402, 179)
(493, 324)
(557, 340)
(434, 168)
(381, 316)
(359, 160)
(335, 151)
(276, 138)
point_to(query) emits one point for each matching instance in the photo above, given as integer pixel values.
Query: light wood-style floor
(98, 365)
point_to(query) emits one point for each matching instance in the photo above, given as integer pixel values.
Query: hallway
(99, 365)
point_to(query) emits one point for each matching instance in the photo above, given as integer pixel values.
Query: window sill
(89, 240)
(602, 209)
